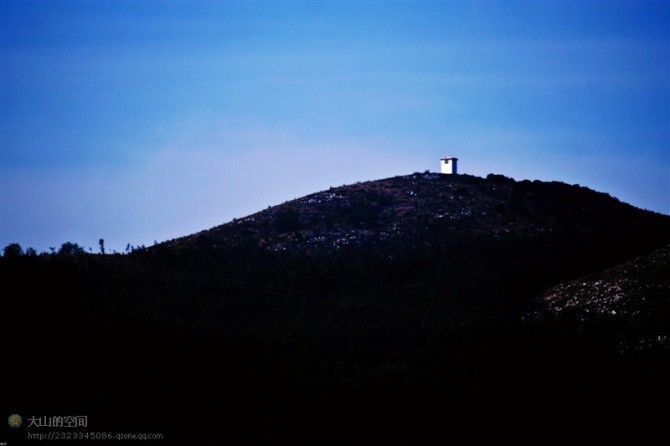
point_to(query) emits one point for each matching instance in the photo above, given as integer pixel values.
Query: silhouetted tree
(69, 248)
(101, 242)
(13, 250)
(31, 252)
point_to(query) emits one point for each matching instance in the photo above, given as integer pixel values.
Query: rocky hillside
(428, 210)
(633, 299)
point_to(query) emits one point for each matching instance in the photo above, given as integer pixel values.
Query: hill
(429, 209)
(601, 349)
(630, 301)
(469, 246)
(381, 312)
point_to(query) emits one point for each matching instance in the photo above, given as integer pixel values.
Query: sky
(142, 121)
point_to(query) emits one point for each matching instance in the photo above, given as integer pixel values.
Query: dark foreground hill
(629, 302)
(394, 311)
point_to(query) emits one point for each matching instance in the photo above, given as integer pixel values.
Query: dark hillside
(462, 243)
(601, 347)
(631, 299)
(382, 312)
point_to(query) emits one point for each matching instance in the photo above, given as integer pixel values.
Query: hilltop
(428, 209)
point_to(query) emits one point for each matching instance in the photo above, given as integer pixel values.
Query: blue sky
(136, 121)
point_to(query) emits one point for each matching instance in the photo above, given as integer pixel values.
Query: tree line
(13, 250)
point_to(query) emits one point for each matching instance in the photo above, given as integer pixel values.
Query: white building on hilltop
(448, 165)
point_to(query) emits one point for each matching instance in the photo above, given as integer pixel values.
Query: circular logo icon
(15, 420)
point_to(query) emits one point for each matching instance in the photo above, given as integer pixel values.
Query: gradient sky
(136, 121)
